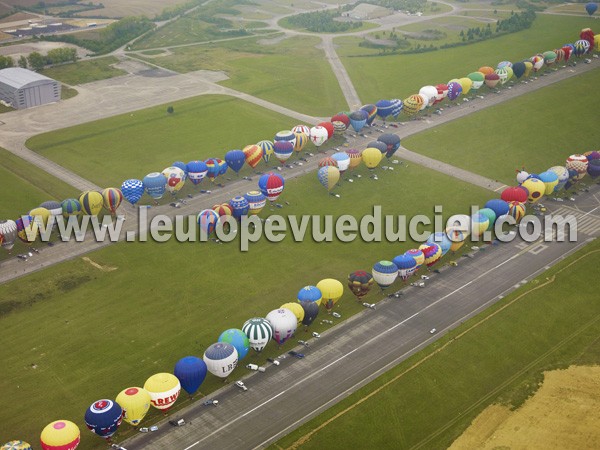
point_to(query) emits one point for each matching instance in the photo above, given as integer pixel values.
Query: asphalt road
(358, 350)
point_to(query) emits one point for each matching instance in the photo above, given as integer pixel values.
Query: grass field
(200, 128)
(67, 92)
(83, 72)
(428, 402)
(290, 72)
(285, 23)
(120, 8)
(512, 129)
(181, 297)
(402, 78)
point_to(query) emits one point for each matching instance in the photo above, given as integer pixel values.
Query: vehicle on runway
(274, 361)
(369, 305)
(301, 342)
(424, 277)
(211, 402)
(317, 335)
(296, 354)
(432, 331)
(117, 446)
(336, 315)
(177, 422)
(241, 385)
(453, 263)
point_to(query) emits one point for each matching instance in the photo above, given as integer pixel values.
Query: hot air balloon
(456, 236)
(591, 8)
(503, 74)
(479, 223)
(301, 140)
(196, 171)
(284, 324)
(492, 80)
(311, 311)
(223, 210)
(16, 445)
(486, 70)
(381, 146)
(466, 84)
(283, 150)
(504, 64)
(164, 389)
(267, 149)
(454, 90)
(53, 207)
(360, 283)
(384, 274)
(286, 136)
(221, 358)
(412, 106)
(500, 207)
(550, 180)
(301, 129)
(581, 47)
(103, 417)
(371, 111)
(418, 255)
(329, 127)
(536, 189)
(578, 163)
(519, 69)
(430, 92)
(235, 160)
(549, 57)
(295, 308)
(40, 216)
(355, 158)
(27, 229)
(343, 161)
(112, 198)
(461, 222)
(259, 332)
(253, 154)
(135, 402)
(371, 157)
(537, 61)
(214, 168)
(392, 142)
(207, 220)
(132, 190)
(563, 176)
(516, 210)
(593, 168)
(528, 67)
(358, 119)
(238, 339)
(477, 78)
(155, 184)
(406, 266)
(384, 108)
(432, 252)
(340, 122)
(91, 203)
(328, 176)
(491, 216)
(440, 239)
(175, 179)
(191, 372)
(256, 202)
(8, 234)
(72, 207)
(271, 185)
(318, 135)
(397, 106)
(332, 290)
(60, 435)
(515, 193)
(310, 294)
(240, 206)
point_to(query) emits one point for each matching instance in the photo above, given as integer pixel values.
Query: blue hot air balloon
(235, 159)
(214, 170)
(155, 184)
(310, 294)
(72, 207)
(384, 108)
(591, 8)
(191, 372)
(207, 219)
(256, 202)
(132, 190)
(183, 166)
(407, 266)
(442, 240)
(311, 310)
(500, 207)
(358, 119)
(397, 106)
(196, 171)
(222, 166)
(385, 273)
(239, 207)
(103, 417)
(238, 339)
(392, 142)
(371, 111)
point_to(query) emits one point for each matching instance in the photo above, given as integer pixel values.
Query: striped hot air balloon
(259, 332)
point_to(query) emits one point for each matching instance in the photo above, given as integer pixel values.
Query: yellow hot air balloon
(61, 434)
(371, 157)
(301, 140)
(479, 223)
(111, 199)
(466, 84)
(536, 188)
(457, 237)
(331, 289)
(528, 67)
(164, 389)
(296, 308)
(40, 217)
(135, 402)
(355, 158)
(16, 445)
(91, 203)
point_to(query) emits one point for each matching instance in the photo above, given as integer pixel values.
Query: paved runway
(355, 352)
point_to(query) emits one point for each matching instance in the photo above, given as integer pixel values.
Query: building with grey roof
(22, 88)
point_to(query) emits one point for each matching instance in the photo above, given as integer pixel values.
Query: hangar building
(23, 88)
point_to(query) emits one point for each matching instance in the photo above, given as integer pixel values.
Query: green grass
(444, 390)
(98, 332)
(152, 52)
(83, 72)
(406, 74)
(513, 131)
(4, 109)
(25, 186)
(285, 23)
(67, 92)
(277, 72)
(160, 138)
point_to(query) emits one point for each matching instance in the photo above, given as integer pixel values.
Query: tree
(6, 61)
(36, 61)
(22, 62)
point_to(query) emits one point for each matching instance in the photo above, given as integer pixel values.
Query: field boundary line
(302, 440)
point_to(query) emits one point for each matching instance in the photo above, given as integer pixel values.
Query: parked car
(296, 354)
(315, 334)
(274, 361)
(211, 402)
(177, 422)
(301, 342)
(241, 385)
(432, 331)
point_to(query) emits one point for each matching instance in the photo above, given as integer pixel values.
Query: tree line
(322, 22)
(37, 61)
